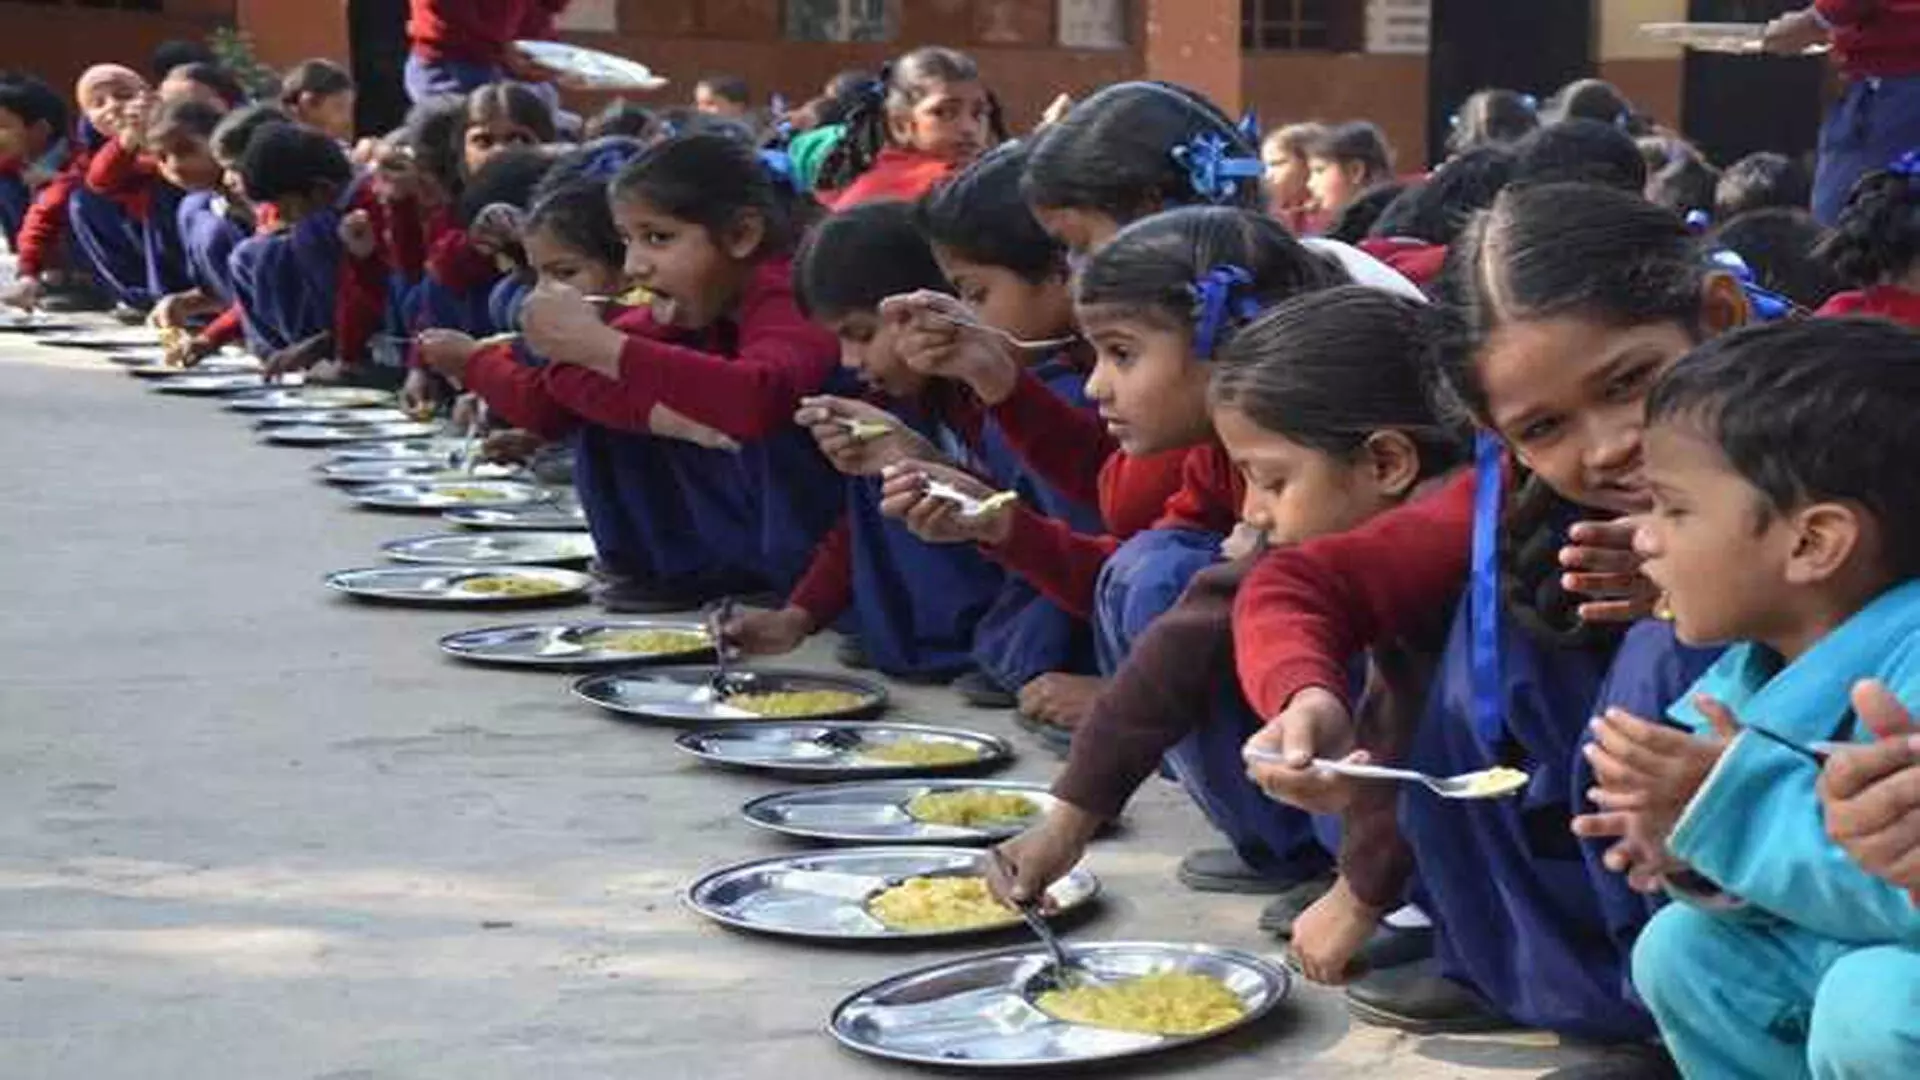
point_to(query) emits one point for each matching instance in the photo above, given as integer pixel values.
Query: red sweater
(1306, 611)
(400, 247)
(1416, 260)
(46, 219)
(896, 176)
(1874, 37)
(1887, 301)
(125, 176)
(477, 31)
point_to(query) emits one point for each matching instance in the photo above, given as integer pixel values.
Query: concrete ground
(251, 830)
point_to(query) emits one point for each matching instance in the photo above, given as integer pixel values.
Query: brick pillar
(1196, 43)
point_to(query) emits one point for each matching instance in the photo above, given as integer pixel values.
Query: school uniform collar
(1807, 701)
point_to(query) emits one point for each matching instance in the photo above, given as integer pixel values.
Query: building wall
(57, 43)
(1389, 90)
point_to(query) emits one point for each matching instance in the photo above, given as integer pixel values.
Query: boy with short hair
(725, 96)
(33, 147)
(1786, 518)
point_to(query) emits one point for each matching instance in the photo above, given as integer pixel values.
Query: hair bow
(1212, 169)
(1768, 306)
(777, 109)
(1531, 103)
(1249, 126)
(1215, 304)
(1907, 165)
(1698, 221)
(779, 168)
(608, 160)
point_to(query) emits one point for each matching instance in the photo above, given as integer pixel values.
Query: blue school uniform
(1023, 635)
(916, 605)
(287, 281)
(208, 236)
(136, 262)
(1805, 964)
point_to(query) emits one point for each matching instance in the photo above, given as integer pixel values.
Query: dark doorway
(1535, 48)
(377, 34)
(1735, 105)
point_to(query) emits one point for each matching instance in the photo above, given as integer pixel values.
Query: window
(840, 20)
(1289, 25)
(1093, 24)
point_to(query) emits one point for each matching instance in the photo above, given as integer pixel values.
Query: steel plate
(446, 586)
(310, 398)
(876, 812)
(330, 435)
(443, 494)
(565, 645)
(561, 513)
(816, 752)
(434, 450)
(411, 470)
(685, 695)
(198, 384)
(339, 417)
(527, 548)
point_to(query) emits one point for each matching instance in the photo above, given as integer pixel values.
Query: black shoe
(1392, 947)
(1277, 917)
(1222, 870)
(1628, 1061)
(1417, 999)
(978, 689)
(852, 654)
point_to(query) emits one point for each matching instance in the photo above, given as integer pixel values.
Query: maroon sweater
(1874, 37)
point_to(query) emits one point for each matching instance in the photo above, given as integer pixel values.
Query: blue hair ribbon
(1768, 306)
(779, 168)
(1215, 302)
(1532, 103)
(1212, 169)
(1699, 221)
(777, 109)
(1249, 126)
(603, 163)
(1907, 165)
(1483, 599)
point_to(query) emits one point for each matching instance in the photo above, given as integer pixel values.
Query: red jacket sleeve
(453, 261)
(1063, 564)
(826, 589)
(1305, 611)
(123, 175)
(781, 359)
(46, 222)
(226, 327)
(1211, 491)
(516, 392)
(404, 238)
(1066, 446)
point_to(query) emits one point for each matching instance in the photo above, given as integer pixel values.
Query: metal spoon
(726, 681)
(1484, 784)
(1063, 972)
(970, 507)
(1024, 344)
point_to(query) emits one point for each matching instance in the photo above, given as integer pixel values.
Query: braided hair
(900, 85)
(1877, 239)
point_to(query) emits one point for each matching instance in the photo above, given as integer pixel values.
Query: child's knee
(1864, 1021)
(1672, 956)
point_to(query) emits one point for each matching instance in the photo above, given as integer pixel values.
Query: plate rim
(278, 435)
(443, 643)
(882, 697)
(330, 580)
(1095, 893)
(389, 548)
(367, 495)
(801, 771)
(976, 836)
(1168, 1043)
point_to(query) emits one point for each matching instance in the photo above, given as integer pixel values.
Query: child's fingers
(1725, 724)
(1883, 713)
(1616, 535)
(1631, 609)
(1604, 824)
(1613, 799)
(1612, 771)
(1603, 584)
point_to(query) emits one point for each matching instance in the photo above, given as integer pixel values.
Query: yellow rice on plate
(920, 752)
(969, 807)
(789, 703)
(1165, 1003)
(509, 586)
(939, 903)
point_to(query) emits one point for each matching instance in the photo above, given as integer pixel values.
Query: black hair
(1493, 117)
(321, 78)
(861, 256)
(1684, 185)
(1438, 209)
(1580, 151)
(184, 117)
(1151, 267)
(1331, 368)
(1569, 249)
(216, 78)
(1761, 180)
(684, 120)
(517, 103)
(843, 94)
(711, 179)
(34, 102)
(1357, 141)
(900, 84)
(1877, 237)
(288, 159)
(236, 129)
(434, 132)
(571, 201)
(1114, 153)
(729, 87)
(176, 52)
(621, 117)
(1780, 246)
(1599, 101)
(982, 215)
(1356, 220)
(509, 177)
(1812, 410)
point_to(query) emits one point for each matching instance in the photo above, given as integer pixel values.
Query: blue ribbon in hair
(1250, 126)
(608, 160)
(1212, 168)
(1907, 165)
(1699, 221)
(1215, 301)
(779, 168)
(1768, 306)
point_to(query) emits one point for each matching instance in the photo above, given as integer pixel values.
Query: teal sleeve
(1756, 829)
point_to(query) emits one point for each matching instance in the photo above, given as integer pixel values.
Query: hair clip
(1698, 221)
(1768, 306)
(1249, 125)
(1215, 303)
(1212, 170)
(779, 168)
(603, 163)
(1531, 103)
(1907, 165)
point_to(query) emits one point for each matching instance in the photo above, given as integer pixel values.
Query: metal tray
(685, 695)
(440, 586)
(564, 645)
(814, 752)
(444, 494)
(1718, 37)
(471, 548)
(427, 449)
(591, 69)
(561, 513)
(822, 895)
(199, 384)
(37, 322)
(339, 417)
(977, 1012)
(107, 340)
(144, 356)
(234, 366)
(334, 434)
(411, 470)
(308, 398)
(875, 812)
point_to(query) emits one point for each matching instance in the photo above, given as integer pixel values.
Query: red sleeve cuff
(826, 589)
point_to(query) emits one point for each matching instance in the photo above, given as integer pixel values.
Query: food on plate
(468, 494)
(920, 752)
(970, 807)
(502, 585)
(1164, 1003)
(646, 642)
(939, 903)
(789, 703)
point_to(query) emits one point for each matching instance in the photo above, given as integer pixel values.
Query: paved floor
(248, 830)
